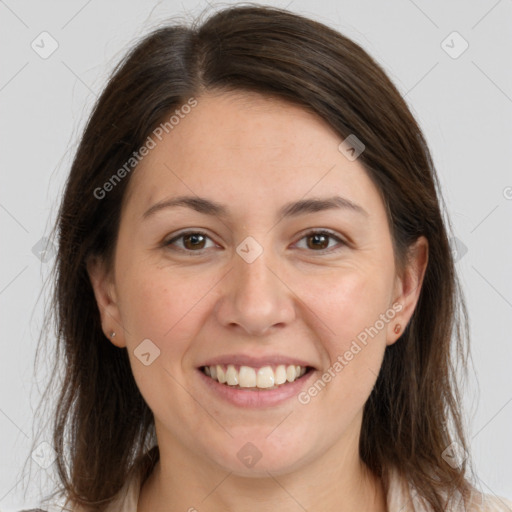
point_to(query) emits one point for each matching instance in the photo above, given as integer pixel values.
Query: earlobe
(106, 298)
(408, 288)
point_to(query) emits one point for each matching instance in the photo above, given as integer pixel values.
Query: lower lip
(260, 398)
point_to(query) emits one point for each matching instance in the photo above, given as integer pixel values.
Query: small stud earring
(397, 328)
(112, 334)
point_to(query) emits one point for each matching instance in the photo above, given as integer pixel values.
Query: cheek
(159, 306)
(354, 337)
(165, 305)
(349, 302)
(148, 304)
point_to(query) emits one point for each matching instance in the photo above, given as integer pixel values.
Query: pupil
(317, 237)
(194, 238)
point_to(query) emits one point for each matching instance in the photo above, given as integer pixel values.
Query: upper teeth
(247, 377)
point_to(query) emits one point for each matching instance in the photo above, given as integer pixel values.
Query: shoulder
(490, 503)
(127, 497)
(401, 495)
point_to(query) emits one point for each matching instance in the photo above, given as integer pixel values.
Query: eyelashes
(195, 240)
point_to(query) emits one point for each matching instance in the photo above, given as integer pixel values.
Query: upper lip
(256, 362)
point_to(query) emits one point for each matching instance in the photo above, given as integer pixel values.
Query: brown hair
(413, 412)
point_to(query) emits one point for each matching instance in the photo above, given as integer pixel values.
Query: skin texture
(254, 154)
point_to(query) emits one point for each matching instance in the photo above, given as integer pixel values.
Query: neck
(338, 481)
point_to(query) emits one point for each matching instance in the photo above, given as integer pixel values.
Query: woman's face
(255, 285)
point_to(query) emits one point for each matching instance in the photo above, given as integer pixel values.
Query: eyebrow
(293, 209)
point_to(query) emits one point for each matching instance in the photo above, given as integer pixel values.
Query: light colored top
(400, 495)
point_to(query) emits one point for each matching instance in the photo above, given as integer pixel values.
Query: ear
(105, 292)
(408, 288)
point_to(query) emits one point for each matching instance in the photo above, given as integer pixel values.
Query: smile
(266, 377)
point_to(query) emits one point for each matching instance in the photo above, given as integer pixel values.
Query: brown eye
(190, 241)
(194, 241)
(318, 241)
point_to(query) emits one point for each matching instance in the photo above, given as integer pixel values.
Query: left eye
(194, 241)
(320, 240)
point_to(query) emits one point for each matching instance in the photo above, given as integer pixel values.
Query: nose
(255, 299)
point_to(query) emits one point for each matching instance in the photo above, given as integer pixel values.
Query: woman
(255, 292)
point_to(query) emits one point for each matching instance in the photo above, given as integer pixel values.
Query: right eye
(191, 241)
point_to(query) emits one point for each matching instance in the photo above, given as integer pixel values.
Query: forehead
(245, 147)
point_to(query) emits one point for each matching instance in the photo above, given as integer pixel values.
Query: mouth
(249, 378)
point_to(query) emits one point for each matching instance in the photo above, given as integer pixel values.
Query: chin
(257, 456)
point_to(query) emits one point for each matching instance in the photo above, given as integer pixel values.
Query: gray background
(463, 104)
